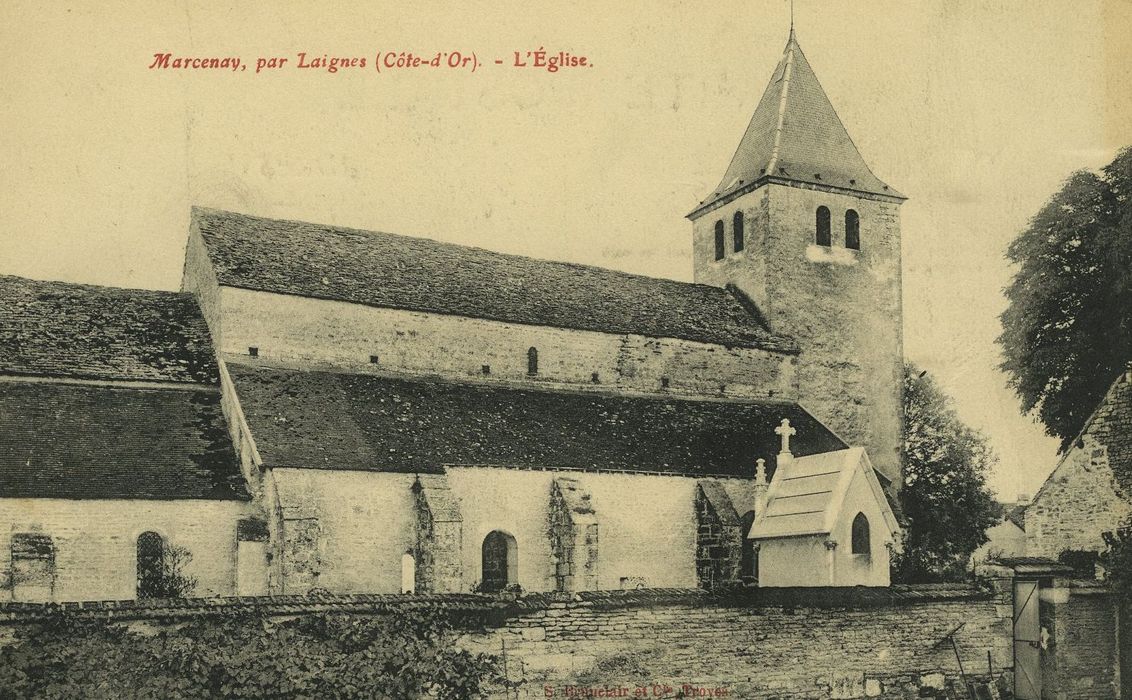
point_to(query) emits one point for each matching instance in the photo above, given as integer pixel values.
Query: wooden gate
(1027, 641)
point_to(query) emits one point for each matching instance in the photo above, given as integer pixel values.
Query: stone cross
(785, 431)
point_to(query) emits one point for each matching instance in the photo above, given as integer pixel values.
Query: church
(330, 409)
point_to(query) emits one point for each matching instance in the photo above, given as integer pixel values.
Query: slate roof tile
(401, 272)
(58, 329)
(796, 135)
(104, 442)
(326, 420)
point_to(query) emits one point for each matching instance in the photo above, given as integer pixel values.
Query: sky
(977, 110)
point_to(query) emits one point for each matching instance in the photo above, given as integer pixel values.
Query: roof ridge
(92, 286)
(334, 228)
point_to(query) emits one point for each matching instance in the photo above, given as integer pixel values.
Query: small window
(408, 572)
(822, 236)
(532, 361)
(720, 246)
(595, 378)
(860, 534)
(485, 369)
(253, 351)
(374, 359)
(737, 231)
(664, 382)
(500, 562)
(852, 230)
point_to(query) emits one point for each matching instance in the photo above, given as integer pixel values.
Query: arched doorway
(500, 561)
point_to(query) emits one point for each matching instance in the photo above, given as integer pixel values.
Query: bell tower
(801, 225)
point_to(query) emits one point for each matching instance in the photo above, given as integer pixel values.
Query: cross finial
(785, 431)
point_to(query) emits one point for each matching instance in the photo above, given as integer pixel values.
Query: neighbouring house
(1090, 491)
(1007, 538)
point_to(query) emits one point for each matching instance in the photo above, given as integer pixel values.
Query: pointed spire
(795, 137)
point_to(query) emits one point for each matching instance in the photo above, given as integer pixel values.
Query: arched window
(737, 231)
(408, 573)
(500, 556)
(532, 361)
(720, 246)
(151, 565)
(748, 555)
(822, 237)
(860, 534)
(852, 230)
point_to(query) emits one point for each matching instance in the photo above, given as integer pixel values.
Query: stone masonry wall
(752, 648)
(1085, 495)
(1081, 660)
(842, 306)
(719, 538)
(351, 336)
(95, 543)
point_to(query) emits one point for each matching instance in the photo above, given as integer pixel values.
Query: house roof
(1110, 425)
(80, 441)
(371, 422)
(807, 495)
(795, 136)
(387, 270)
(57, 329)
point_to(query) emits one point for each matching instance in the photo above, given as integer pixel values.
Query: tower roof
(796, 137)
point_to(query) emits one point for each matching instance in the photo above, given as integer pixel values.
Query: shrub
(325, 655)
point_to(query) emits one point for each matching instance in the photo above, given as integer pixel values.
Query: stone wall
(1081, 659)
(351, 336)
(760, 644)
(842, 306)
(95, 545)
(756, 644)
(1085, 495)
(719, 538)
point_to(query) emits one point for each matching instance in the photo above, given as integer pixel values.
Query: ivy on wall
(330, 655)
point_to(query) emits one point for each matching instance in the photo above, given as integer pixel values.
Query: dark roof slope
(795, 135)
(367, 422)
(99, 442)
(58, 329)
(386, 270)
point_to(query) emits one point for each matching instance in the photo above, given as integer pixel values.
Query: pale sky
(977, 110)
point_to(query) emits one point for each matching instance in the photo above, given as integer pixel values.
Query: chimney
(761, 486)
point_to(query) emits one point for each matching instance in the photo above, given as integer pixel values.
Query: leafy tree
(164, 576)
(945, 498)
(1068, 328)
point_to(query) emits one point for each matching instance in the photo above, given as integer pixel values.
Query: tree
(164, 576)
(945, 499)
(1067, 330)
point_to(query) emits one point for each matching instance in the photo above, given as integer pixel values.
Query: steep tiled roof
(62, 440)
(82, 331)
(795, 135)
(386, 270)
(806, 497)
(369, 422)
